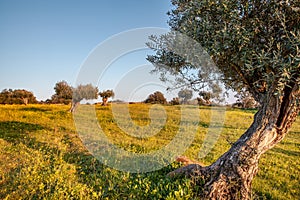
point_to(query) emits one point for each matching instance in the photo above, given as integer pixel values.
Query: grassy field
(42, 157)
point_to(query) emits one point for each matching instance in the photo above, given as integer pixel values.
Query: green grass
(42, 157)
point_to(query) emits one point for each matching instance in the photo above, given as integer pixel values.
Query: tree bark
(104, 101)
(230, 177)
(25, 101)
(73, 106)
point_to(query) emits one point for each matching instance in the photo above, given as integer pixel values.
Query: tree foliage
(214, 95)
(245, 100)
(255, 44)
(204, 98)
(185, 94)
(63, 93)
(81, 92)
(156, 98)
(87, 92)
(18, 96)
(105, 95)
(175, 101)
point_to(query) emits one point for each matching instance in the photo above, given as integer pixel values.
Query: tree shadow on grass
(286, 152)
(88, 169)
(113, 183)
(35, 109)
(104, 179)
(262, 196)
(14, 131)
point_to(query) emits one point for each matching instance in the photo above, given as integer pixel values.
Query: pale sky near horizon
(43, 42)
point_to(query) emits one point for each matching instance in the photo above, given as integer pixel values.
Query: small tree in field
(256, 47)
(83, 92)
(175, 101)
(204, 98)
(246, 100)
(186, 95)
(214, 95)
(156, 98)
(19, 96)
(24, 97)
(63, 93)
(105, 95)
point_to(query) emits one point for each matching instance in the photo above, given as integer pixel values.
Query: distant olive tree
(246, 100)
(18, 96)
(83, 92)
(63, 93)
(105, 95)
(204, 98)
(185, 95)
(214, 95)
(156, 98)
(175, 101)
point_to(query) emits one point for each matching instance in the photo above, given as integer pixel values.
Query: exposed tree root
(191, 168)
(187, 161)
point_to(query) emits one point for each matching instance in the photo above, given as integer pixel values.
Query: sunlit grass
(41, 155)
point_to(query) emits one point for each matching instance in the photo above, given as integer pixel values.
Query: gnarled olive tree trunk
(104, 101)
(25, 100)
(230, 177)
(74, 105)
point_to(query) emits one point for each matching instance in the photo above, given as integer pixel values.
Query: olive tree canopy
(63, 93)
(81, 92)
(18, 96)
(185, 94)
(156, 98)
(105, 95)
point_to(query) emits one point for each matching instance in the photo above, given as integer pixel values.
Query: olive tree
(246, 100)
(185, 95)
(156, 98)
(105, 95)
(63, 93)
(256, 47)
(175, 101)
(18, 96)
(81, 92)
(204, 98)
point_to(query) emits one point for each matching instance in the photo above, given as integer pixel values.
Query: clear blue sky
(43, 42)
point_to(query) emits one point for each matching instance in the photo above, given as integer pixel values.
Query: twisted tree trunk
(230, 177)
(104, 101)
(74, 105)
(25, 100)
